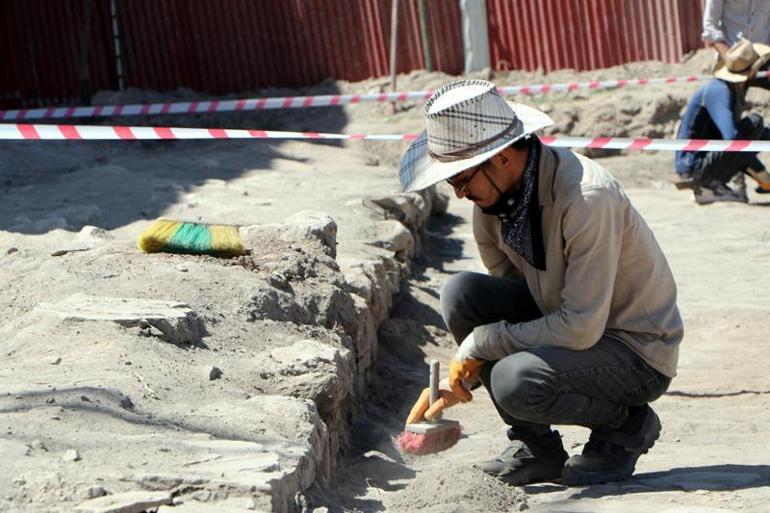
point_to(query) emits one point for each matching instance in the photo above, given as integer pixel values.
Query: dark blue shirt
(709, 115)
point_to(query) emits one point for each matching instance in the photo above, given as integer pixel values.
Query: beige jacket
(605, 272)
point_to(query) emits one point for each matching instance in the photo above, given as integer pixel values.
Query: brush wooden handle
(434, 377)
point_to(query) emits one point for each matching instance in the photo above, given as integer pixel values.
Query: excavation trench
(373, 475)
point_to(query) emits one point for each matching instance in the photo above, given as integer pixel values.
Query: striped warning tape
(102, 133)
(293, 102)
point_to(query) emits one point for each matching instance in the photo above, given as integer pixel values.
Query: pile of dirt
(458, 489)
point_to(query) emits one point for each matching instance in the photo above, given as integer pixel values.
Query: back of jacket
(605, 272)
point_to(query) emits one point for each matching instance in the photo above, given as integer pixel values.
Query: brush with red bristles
(430, 436)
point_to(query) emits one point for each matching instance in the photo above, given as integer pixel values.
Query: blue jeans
(534, 388)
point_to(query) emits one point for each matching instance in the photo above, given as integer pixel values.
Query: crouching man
(714, 112)
(576, 322)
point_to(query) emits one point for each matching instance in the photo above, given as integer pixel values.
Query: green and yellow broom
(169, 236)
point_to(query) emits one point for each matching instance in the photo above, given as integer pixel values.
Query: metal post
(393, 45)
(84, 76)
(116, 44)
(475, 36)
(425, 35)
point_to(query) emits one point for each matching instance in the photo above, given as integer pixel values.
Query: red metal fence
(40, 50)
(233, 46)
(220, 47)
(590, 34)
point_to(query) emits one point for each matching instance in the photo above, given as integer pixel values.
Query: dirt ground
(712, 456)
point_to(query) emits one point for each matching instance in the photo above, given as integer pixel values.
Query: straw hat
(742, 61)
(467, 123)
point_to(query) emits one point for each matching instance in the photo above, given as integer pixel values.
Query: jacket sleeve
(592, 229)
(712, 18)
(493, 258)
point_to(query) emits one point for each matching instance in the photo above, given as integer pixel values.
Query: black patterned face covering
(519, 212)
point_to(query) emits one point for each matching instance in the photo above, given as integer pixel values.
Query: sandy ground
(711, 457)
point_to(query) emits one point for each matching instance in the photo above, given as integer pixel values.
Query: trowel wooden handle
(434, 376)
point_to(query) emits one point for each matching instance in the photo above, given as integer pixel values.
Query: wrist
(466, 350)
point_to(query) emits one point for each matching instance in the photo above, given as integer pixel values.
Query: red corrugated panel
(41, 51)
(223, 47)
(8, 57)
(591, 33)
(239, 45)
(691, 24)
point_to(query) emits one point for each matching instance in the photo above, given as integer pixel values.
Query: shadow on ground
(371, 459)
(47, 185)
(725, 477)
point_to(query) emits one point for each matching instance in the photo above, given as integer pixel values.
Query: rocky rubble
(226, 382)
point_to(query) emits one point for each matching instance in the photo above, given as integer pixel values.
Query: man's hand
(721, 48)
(465, 370)
(423, 410)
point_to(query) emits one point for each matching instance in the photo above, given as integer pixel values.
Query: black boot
(531, 458)
(611, 455)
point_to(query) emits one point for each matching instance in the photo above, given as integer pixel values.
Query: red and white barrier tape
(292, 102)
(103, 133)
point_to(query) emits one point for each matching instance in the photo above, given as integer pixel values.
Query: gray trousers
(548, 385)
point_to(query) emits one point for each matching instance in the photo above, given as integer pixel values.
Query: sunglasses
(461, 183)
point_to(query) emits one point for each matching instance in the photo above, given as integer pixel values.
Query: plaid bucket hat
(467, 122)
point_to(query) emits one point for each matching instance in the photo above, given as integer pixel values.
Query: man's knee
(515, 381)
(458, 288)
(457, 295)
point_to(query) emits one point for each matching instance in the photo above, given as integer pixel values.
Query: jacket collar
(549, 162)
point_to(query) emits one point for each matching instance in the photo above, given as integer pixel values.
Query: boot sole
(572, 476)
(531, 477)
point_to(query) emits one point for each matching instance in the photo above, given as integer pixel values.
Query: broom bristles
(431, 441)
(169, 236)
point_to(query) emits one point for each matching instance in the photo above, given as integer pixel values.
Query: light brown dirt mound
(458, 488)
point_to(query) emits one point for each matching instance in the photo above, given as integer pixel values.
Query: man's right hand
(423, 410)
(721, 48)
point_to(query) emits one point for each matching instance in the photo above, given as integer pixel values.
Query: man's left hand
(465, 370)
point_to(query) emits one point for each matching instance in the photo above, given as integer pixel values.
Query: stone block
(177, 322)
(311, 370)
(394, 236)
(309, 224)
(408, 207)
(271, 444)
(357, 281)
(302, 226)
(128, 502)
(438, 199)
(206, 507)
